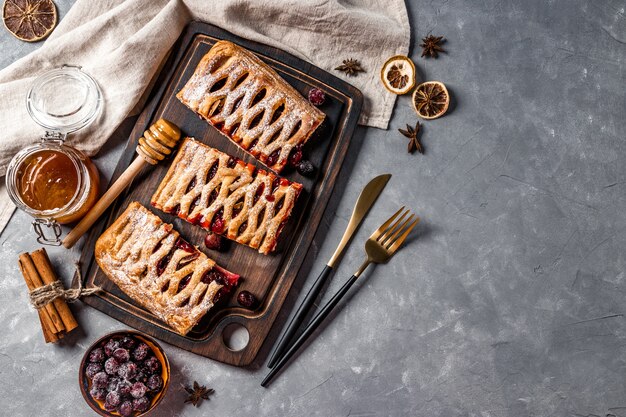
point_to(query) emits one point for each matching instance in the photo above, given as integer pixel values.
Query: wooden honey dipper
(156, 143)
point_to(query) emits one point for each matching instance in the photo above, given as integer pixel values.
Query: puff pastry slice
(226, 196)
(250, 103)
(148, 260)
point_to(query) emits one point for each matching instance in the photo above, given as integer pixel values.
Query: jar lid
(64, 99)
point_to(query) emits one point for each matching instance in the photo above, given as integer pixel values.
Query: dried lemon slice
(29, 20)
(398, 74)
(431, 99)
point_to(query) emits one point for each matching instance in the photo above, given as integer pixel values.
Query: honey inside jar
(47, 180)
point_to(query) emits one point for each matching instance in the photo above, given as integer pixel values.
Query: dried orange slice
(398, 74)
(431, 99)
(29, 20)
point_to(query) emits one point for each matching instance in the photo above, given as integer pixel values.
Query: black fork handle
(308, 331)
(299, 317)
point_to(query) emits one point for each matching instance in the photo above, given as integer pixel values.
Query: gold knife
(363, 204)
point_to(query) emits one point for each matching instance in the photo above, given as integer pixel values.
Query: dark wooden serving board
(267, 277)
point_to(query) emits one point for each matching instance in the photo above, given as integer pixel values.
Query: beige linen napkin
(122, 43)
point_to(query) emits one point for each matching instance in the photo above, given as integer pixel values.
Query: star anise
(431, 45)
(351, 67)
(411, 133)
(197, 393)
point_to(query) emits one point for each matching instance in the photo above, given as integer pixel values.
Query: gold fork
(380, 247)
(386, 240)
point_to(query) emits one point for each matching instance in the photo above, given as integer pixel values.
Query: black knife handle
(300, 315)
(315, 322)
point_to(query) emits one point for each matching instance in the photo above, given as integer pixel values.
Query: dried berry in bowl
(124, 374)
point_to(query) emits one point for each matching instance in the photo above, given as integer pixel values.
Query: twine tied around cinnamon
(49, 296)
(41, 296)
(54, 313)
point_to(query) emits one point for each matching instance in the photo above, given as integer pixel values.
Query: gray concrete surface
(509, 301)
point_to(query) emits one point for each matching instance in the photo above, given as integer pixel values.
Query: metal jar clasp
(51, 136)
(39, 224)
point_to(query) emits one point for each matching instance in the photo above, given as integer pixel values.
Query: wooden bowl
(85, 384)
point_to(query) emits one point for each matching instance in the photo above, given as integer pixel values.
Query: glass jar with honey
(51, 181)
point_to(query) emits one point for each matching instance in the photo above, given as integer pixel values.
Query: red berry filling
(222, 277)
(273, 158)
(212, 171)
(237, 208)
(295, 156)
(230, 279)
(184, 245)
(217, 226)
(162, 264)
(259, 193)
(184, 282)
(191, 185)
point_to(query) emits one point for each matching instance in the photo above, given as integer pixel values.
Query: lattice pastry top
(226, 196)
(250, 103)
(154, 266)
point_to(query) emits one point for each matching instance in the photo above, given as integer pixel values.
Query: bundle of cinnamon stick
(55, 317)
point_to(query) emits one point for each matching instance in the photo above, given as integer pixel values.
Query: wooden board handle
(105, 201)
